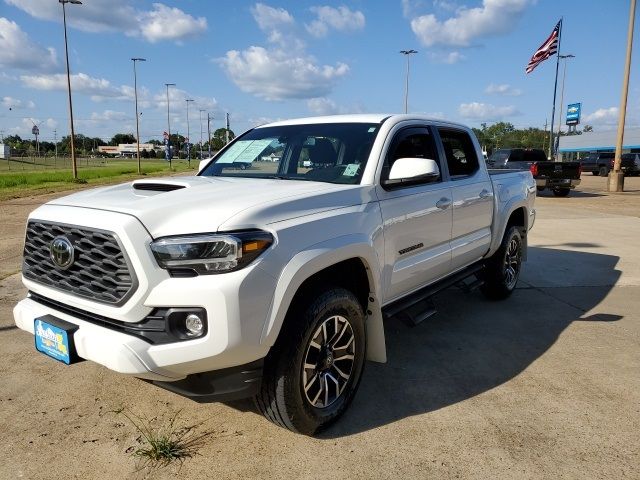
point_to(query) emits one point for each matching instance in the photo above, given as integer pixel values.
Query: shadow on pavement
(574, 193)
(471, 346)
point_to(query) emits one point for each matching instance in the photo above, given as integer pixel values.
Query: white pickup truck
(271, 279)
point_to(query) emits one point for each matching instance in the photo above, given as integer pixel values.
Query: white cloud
(502, 89)
(269, 18)
(486, 111)
(493, 18)
(449, 58)
(98, 88)
(177, 102)
(341, 19)
(18, 51)
(323, 106)
(276, 75)
(96, 16)
(15, 104)
(166, 23)
(51, 123)
(602, 116)
(109, 115)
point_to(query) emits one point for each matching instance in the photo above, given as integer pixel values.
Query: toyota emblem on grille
(61, 252)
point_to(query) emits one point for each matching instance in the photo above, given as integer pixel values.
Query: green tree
(119, 138)
(219, 138)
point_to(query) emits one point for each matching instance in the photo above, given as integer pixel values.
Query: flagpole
(552, 145)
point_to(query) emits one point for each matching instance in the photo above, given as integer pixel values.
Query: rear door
(416, 219)
(472, 197)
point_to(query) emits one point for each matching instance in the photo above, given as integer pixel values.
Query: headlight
(212, 253)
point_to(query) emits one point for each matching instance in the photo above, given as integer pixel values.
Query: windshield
(327, 152)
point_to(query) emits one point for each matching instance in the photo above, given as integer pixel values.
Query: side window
(459, 152)
(416, 142)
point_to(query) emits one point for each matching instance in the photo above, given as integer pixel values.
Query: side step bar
(418, 306)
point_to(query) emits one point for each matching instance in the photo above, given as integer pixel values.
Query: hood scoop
(159, 185)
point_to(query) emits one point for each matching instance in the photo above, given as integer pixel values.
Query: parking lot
(543, 385)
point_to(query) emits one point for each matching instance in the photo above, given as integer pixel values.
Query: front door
(417, 220)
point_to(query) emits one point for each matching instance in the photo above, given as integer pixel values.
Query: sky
(272, 60)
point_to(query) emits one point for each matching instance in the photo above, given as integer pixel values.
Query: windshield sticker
(245, 151)
(351, 170)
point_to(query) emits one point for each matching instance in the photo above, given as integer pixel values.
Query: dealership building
(128, 149)
(571, 146)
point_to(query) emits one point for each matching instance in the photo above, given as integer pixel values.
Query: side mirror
(407, 171)
(203, 163)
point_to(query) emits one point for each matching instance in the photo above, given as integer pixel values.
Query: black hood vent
(157, 186)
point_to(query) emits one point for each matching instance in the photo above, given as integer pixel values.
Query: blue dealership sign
(573, 113)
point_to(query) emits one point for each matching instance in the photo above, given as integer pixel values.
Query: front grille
(100, 270)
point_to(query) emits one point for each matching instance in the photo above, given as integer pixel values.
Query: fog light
(194, 325)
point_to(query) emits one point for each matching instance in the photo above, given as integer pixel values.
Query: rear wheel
(561, 192)
(502, 270)
(312, 373)
(604, 171)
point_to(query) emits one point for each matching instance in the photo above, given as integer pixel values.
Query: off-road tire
(282, 398)
(498, 283)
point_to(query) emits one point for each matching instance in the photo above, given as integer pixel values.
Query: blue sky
(263, 61)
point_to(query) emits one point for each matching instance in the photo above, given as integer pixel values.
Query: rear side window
(534, 156)
(459, 152)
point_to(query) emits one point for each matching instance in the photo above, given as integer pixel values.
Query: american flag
(548, 48)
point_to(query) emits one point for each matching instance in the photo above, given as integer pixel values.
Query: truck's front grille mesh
(100, 270)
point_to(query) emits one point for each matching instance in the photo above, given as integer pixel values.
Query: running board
(424, 294)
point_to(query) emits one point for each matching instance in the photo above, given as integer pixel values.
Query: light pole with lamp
(135, 89)
(407, 53)
(201, 110)
(564, 75)
(187, 100)
(74, 166)
(169, 124)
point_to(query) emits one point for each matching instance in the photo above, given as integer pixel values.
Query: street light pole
(187, 100)
(135, 89)
(169, 122)
(74, 166)
(407, 53)
(209, 118)
(616, 178)
(201, 110)
(564, 74)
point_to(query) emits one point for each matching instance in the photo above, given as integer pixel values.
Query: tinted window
(416, 142)
(534, 156)
(459, 152)
(606, 155)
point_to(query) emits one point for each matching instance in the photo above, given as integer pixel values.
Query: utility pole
(169, 124)
(407, 53)
(226, 133)
(616, 178)
(55, 141)
(135, 89)
(209, 118)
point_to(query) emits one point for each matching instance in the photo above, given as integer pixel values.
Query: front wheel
(314, 369)
(604, 171)
(502, 270)
(561, 192)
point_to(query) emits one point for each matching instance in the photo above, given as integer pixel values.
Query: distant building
(128, 149)
(601, 141)
(5, 151)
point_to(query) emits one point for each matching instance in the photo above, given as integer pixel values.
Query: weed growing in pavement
(164, 444)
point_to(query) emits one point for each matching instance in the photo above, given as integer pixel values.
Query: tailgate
(559, 170)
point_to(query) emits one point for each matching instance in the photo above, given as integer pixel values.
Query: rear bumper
(557, 183)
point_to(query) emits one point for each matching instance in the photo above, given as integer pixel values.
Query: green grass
(161, 444)
(22, 178)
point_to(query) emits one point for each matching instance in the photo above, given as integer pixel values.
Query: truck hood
(184, 205)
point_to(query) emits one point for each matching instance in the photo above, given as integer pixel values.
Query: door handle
(443, 203)
(485, 193)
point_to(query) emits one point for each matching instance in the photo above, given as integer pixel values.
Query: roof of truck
(357, 118)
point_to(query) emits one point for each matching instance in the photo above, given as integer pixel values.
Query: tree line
(85, 145)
